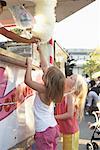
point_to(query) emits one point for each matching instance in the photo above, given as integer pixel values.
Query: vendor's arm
(15, 37)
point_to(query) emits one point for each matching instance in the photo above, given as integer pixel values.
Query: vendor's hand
(29, 62)
(38, 48)
(34, 40)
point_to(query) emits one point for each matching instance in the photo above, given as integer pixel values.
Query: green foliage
(93, 64)
(91, 67)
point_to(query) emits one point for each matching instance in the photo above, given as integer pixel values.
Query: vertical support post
(54, 51)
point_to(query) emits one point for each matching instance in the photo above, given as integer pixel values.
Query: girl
(70, 108)
(46, 129)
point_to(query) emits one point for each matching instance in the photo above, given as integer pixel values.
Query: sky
(80, 30)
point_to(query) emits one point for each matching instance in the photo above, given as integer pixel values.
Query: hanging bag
(21, 16)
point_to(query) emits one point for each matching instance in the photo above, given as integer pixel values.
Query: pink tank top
(67, 126)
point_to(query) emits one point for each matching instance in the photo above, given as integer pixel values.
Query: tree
(93, 64)
(91, 67)
(96, 55)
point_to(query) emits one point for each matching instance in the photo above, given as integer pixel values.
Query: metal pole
(54, 51)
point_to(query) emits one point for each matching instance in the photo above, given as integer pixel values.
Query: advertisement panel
(16, 105)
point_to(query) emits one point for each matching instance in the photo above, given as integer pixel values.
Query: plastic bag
(22, 17)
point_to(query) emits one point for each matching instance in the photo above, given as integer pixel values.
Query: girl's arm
(70, 110)
(15, 37)
(28, 78)
(43, 61)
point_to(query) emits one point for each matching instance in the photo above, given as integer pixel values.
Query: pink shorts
(47, 140)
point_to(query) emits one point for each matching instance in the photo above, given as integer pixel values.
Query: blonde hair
(80, 93)
(54, 82)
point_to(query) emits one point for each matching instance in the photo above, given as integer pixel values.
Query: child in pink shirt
(70, 109)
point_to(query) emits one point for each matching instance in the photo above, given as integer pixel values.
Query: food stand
(16, 101)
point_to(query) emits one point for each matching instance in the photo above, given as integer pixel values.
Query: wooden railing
(10, 57)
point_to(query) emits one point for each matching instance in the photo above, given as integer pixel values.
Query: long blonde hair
(80, 94)
(54, 82)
